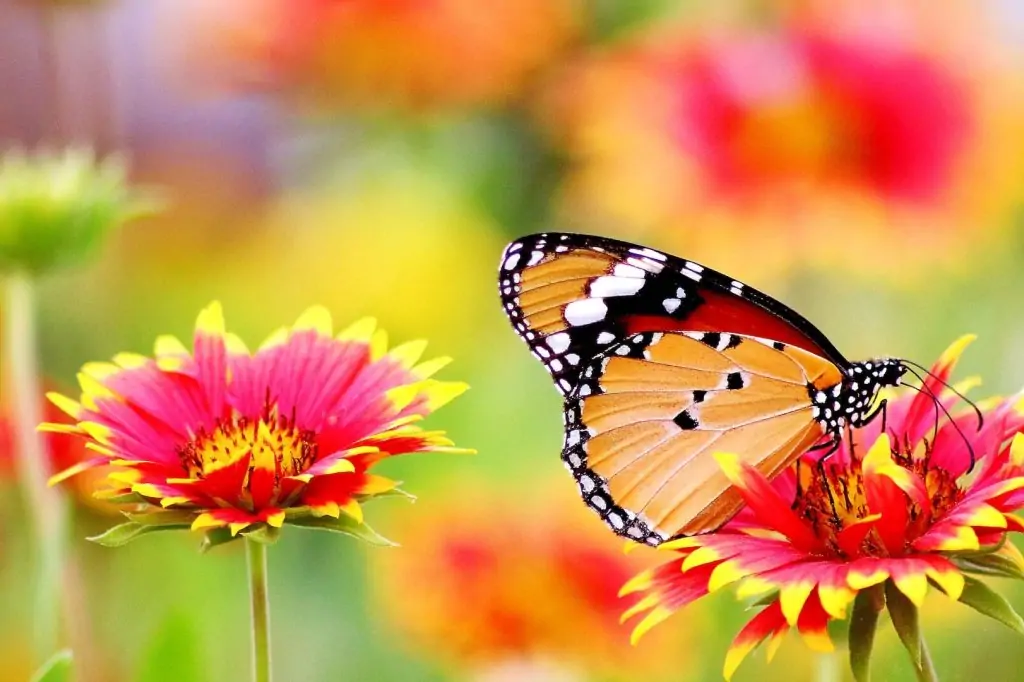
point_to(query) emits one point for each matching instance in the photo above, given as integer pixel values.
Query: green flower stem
(827, 667)
(256, 556)
(926, 673)
(46, 506)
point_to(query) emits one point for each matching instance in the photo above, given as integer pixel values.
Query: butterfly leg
(833, 444)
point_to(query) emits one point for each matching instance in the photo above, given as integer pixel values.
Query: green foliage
(58, 669)
(124, 533)
(983, 599)
(867, 607)
(345, 525)
(56, 209)
(905, 619)
(173, 654)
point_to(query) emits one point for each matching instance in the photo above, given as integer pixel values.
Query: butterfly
(661, 363)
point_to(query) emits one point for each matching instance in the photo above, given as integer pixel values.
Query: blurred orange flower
(413, 53)
(500, 586)
(803, 143)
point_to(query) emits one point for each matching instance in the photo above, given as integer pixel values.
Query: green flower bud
(56, 208)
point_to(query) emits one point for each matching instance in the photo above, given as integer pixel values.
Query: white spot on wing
(624, 270)
(535, 257)
(512, 261)
(671, 305)
(586, 311)
(603, 287)
(559, 342)
(649, 253)
(605, 337)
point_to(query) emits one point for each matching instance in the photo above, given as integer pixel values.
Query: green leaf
(345, 525)
(764, 600)
(57, 669)
(863, 624)
(394, 492)
(986, 601)
(905, 620)
(215, 537)
(995, 565)
(173, 653)
(264, 534)
(126, 532)
(177, 517)
(122, 498)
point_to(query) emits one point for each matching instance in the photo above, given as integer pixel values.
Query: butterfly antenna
(958, 394)
(924, 389)
(935, 402)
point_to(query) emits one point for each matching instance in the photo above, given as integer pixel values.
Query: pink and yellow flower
(877, 530)
(227, 441)
(811, 142)
(495, 583)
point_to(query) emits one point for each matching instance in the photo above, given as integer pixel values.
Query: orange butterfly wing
(650, 412)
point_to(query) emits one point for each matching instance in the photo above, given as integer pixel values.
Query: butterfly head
(851, 402)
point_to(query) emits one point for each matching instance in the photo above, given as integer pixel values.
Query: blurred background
(861, 160)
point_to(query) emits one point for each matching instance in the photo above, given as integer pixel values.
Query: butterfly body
(662, 362)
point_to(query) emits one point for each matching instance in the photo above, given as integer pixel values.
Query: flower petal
(768, 622)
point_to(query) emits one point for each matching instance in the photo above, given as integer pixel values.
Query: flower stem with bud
(46, 506)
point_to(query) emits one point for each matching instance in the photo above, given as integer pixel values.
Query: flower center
(269, 444)
(839, 502)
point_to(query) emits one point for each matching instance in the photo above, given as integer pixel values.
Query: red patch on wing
(727, 313)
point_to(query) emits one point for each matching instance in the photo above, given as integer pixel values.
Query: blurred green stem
(926, 673)
(826, 667)
(46, 506)
(256, 556)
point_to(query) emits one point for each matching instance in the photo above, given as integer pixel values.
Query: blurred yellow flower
(499, 585)
(409, 53)
(804, 143)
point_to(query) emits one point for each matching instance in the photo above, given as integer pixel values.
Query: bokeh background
(860, 159)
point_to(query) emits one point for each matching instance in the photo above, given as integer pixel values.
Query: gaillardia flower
(227, 441)
(929, 503)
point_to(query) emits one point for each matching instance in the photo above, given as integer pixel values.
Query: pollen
(837, 501)
(270, 444)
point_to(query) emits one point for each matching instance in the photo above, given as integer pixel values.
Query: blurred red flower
(63, 452)
(805, 142)
(408, 53)
(493, 585)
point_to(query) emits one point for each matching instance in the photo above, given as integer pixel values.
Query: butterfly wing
(649, 413)
(572, 296)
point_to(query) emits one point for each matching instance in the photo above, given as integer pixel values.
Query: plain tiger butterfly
(662, 362)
